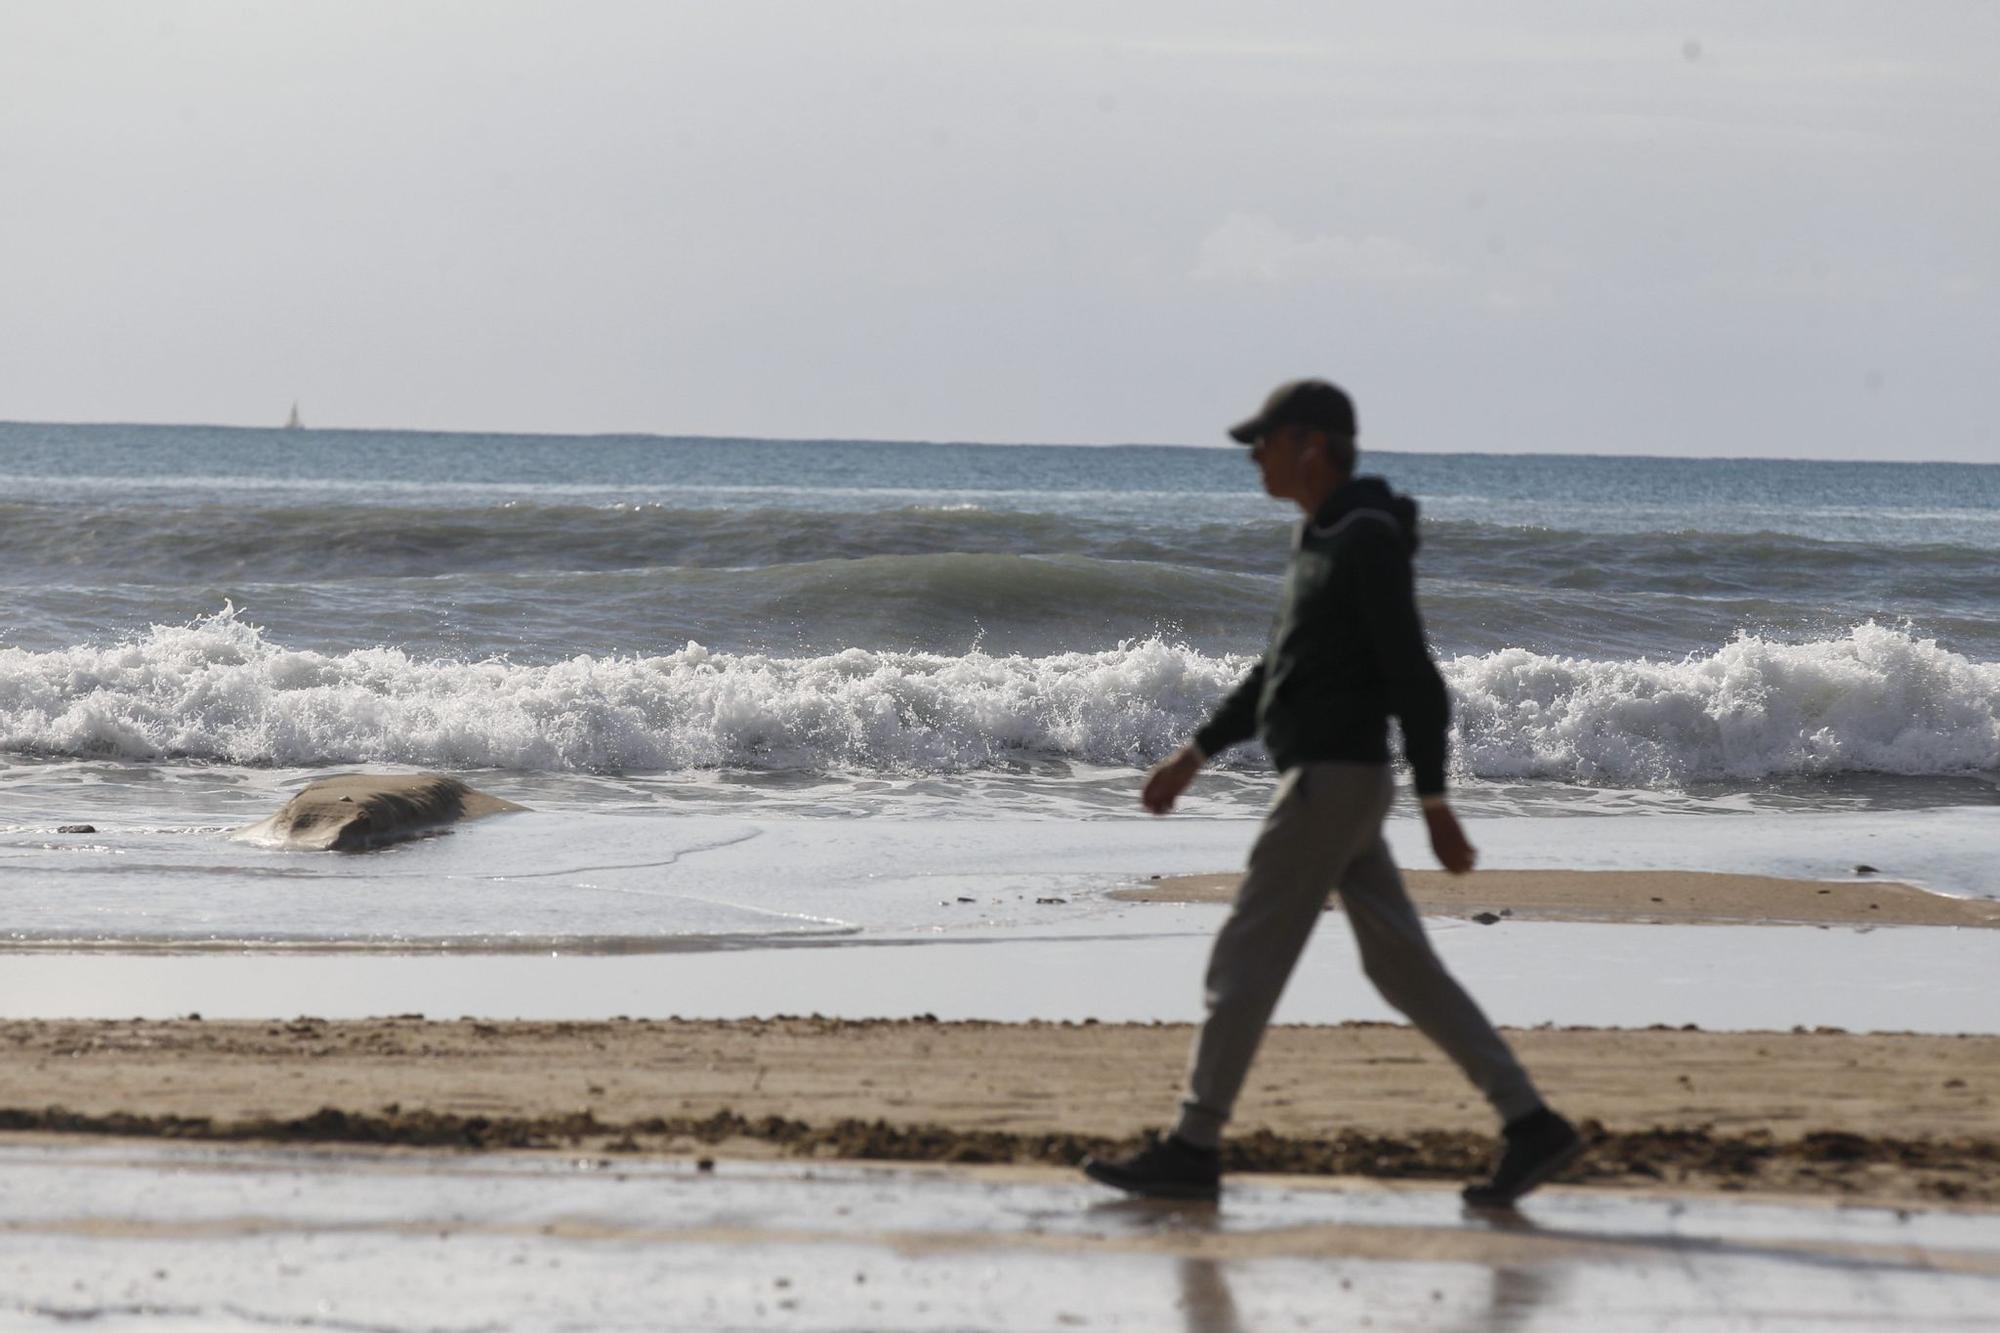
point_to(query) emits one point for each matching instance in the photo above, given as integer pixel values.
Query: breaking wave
(1876, 699)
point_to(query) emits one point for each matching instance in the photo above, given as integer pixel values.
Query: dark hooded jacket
(1348, 651)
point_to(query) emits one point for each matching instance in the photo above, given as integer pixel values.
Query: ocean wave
(1688, 562)
(224, 546)
(1874, 700)
(328, 542)
(217, 690)
(333, 541)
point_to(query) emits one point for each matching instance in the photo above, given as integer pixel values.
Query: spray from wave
(1874, 700)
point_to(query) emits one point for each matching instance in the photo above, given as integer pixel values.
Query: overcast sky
(1734, 229)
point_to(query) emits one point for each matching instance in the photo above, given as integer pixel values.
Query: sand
(238, 1236)
(1880, 1117)
(1682, 897)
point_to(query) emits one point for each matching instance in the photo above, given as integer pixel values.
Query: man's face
(1278, 455)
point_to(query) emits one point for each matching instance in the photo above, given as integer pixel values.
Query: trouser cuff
(1517, 1103)
(1199, 1125)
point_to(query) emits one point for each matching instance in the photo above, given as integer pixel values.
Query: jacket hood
(1372, 493)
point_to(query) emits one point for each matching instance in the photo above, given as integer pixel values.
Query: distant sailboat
(292, 422)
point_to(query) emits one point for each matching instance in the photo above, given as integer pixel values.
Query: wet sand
(1681, 897)
(1881, 1117)
(164, 1234)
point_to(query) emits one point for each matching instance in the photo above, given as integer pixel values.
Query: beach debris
(962, 898)
(353, 812)
(77, 828)
(1485, 918)
(1051, 902)
(1955, 1167)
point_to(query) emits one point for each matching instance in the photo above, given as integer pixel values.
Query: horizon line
(1223, 445)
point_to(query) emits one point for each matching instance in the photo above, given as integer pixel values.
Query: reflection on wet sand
(1515, 1292)
(1206, 1304)
(413, 1238)
(1370, 1253)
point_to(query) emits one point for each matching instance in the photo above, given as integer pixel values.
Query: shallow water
(893, 662)
(160, 1238)
(566, 911)
(567, 874)
(1137, 965)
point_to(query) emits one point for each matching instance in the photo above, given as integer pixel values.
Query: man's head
(1302, 441)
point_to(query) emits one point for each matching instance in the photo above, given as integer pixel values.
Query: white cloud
(1252, 248)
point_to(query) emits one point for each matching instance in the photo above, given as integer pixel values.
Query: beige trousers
(1324, 833)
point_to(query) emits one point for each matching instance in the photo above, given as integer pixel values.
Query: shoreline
(1864, 1117)
(1638, 897)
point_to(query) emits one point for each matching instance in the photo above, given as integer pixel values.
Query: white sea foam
(218, 690)
(1874, 700)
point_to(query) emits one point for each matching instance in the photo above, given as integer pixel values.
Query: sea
(885, 673)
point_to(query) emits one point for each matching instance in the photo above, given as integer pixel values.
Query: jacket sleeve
(1235, 718)
(1386, 591)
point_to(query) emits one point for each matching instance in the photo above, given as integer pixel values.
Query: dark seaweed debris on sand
(1956, 1169)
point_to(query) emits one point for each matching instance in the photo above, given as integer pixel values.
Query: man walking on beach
(1348, 652)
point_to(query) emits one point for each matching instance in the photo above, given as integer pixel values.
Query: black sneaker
(1534, 1148)
(1168, 1168)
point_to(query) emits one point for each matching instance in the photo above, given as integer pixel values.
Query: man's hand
(1448, 840)
(1169, 778)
